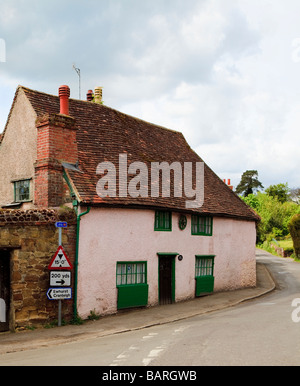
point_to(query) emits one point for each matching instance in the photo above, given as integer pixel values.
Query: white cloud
(204, 30)
(225, 73)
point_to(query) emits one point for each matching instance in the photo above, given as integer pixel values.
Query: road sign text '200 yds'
(60, 278)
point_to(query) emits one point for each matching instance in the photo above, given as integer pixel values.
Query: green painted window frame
(127, 273)
(204, 265)
(18, 186)
(163, 220)
(201, 225)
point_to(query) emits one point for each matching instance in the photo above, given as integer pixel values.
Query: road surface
(264, 331)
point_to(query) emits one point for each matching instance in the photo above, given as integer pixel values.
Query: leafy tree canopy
(275, 215)
(281, 191)
(249, 183)
(295, 195)
(294, 228)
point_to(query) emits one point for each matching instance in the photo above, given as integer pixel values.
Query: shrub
(274, 215)
(294, 228)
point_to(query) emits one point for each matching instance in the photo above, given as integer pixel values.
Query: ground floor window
(131, 280)
(204, 274)
(131, 273)
(204, 265)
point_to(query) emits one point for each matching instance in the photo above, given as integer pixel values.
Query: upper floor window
(163, 220)
(22, 190)
(202, 225)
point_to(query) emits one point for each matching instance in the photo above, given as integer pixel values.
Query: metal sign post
(59, 313)
(60, 278)
(59, 301)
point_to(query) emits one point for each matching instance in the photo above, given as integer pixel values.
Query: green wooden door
(132, 296)
(132, 284)
(204, 274)
(166, 278)
(204, 285)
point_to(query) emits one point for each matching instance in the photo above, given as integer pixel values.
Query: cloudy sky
(226, 73)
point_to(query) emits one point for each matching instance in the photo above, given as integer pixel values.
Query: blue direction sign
(59, 293)
(61, 224)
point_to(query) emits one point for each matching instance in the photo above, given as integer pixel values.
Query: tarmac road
(203, 332)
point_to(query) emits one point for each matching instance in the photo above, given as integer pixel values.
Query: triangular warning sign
(60, 260)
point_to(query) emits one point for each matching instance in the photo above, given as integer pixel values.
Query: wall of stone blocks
(31, 239)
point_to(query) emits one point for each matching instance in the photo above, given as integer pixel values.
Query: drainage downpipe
(76, 261)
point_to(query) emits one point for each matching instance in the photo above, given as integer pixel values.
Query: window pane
(208, 225)
(140, 278)
(161, 217)
(121, 274)
(204, 266)
(167, 221)
(201, 224)
(162, 220)
(22, 190)
(157, 220)
(131, 273)
(194, 224)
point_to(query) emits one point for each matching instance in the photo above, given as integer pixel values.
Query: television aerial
(79, 76)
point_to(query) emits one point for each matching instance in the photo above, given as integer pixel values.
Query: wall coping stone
(36, 216)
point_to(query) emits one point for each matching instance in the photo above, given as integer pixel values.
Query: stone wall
(32, 239)
(281, 251)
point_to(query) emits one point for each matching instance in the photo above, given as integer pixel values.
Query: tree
(275, 215)
(281, 191)
(294, 228)
(295, 195)
(249, 183)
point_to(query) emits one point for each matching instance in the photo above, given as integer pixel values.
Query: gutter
(75, 203)
(76, 261)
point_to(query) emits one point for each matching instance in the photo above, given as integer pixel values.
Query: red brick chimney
(56, 143)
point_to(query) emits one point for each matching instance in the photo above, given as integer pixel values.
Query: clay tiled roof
(103, 133)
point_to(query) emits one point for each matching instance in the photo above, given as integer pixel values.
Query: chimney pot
(98, 95)
(89, 95)
(64, 93)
